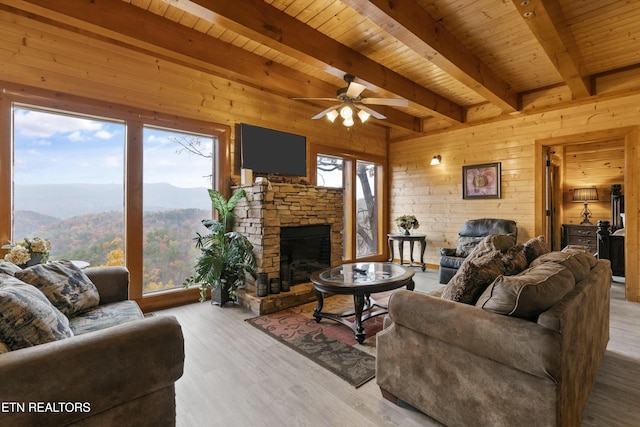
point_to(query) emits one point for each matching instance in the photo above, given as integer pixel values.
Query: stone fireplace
(295, 229)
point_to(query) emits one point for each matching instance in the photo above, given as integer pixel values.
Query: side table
(411, 238)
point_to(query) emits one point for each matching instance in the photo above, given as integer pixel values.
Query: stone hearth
(260, 216)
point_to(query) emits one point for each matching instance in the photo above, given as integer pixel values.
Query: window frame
(349, 234)
(135, 119)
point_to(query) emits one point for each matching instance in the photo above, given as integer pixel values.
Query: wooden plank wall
(44, 56)
(434, 193)
(40, 55)
(35, 55)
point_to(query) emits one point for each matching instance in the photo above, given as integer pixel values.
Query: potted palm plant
(226, 255)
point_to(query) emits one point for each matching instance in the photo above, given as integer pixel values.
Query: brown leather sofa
(470, 234)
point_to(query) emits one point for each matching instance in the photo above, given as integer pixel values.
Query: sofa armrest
(95, 371)
(448, 251)
(514, 342)
(112, 282)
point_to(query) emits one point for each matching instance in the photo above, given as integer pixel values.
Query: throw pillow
(64, 284)
(491, 243)
(578, 263)
(466, 245)
(473, 277)
(529, 293)
(535, 247)
(514, 260)
(28, 318)
(8, 268)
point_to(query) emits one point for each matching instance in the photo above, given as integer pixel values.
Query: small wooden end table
(411, 238)
(360, 280)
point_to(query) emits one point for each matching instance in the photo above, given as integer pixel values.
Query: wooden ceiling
(445, 56)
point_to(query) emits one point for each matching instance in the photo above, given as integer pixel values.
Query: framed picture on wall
(481, 181)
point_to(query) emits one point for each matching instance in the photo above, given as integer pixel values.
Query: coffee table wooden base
(365, 308)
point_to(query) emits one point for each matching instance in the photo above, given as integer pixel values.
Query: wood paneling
(44, 56)
(41, 55)
(434, 193)
(40, 61)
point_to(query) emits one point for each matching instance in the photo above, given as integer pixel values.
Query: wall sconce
(585, 195)
(436, 160)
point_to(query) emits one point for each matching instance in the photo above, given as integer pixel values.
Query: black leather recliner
(472, 232)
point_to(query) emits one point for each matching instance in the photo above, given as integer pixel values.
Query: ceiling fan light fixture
(332, 115)
(346, 113)
(363, 115)
(348, 122)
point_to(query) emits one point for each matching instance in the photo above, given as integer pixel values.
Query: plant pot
(36, 258)
(220, 295)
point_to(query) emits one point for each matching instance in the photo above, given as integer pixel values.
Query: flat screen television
(270, 151)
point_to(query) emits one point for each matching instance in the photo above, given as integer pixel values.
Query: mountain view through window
(68, 187)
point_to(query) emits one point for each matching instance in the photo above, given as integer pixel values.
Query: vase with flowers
(28, 252)
(406, 223)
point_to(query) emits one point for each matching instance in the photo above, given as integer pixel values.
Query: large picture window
(68, 184)
(178, 170)
(111, 185)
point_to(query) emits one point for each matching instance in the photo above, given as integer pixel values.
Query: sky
(51, 148)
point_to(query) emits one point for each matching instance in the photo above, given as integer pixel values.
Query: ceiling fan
(351, 103)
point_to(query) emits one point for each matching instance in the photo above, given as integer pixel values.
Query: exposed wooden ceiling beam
(546, 21)
(268, 25)
(412, 25)
(151, 33)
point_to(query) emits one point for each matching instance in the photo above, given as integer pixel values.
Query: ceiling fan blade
(324, 113)
(394, 102)
(316, 99)
(370, 111)
(355, 89)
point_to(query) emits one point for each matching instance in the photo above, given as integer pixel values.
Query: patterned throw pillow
(8, 268)
(64, 284)
(28, 318)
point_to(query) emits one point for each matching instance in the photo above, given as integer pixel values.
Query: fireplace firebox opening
(303, 250)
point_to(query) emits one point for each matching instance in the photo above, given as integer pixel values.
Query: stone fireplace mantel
(267, 208)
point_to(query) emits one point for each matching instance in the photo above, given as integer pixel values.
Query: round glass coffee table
(360, 280)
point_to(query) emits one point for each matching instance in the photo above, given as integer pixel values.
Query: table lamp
(585, 195)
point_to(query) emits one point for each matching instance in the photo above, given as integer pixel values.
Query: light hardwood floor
(236, 375)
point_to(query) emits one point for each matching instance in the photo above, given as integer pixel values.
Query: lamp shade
(332, 115)
(585, 194)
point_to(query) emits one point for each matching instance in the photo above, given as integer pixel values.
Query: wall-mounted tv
(270, 151)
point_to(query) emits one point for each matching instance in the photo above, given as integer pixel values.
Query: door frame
(631, 136)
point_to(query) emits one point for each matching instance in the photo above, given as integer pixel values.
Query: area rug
(328, 343)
